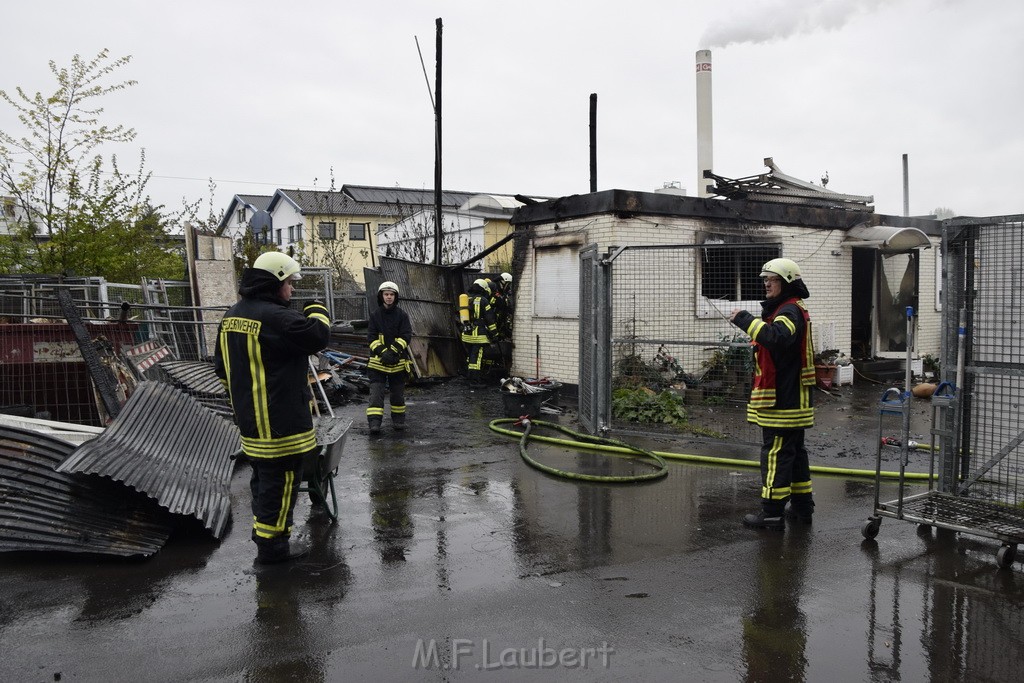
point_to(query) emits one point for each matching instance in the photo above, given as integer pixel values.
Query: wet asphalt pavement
(453, 559)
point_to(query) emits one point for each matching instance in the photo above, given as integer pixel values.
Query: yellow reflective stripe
(278, 527)
(275, 448)
(788, 323)
(286, 497)
(225, 356)
(374, 411)
(260, 400)
(801, 487)
(775, 494)
(402, 366)
(773, 461)
(755, 327)
(783, 418)
(401, 343)
(397, 410)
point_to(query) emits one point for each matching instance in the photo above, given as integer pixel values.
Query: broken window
(730, 275)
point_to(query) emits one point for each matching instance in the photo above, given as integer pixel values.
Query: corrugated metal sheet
(45, 510)
(168, 446)
(428, 295)
(198, 380)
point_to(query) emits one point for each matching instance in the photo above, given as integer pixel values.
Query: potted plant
(825, 367)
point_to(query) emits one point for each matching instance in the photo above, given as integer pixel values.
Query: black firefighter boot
(398, 421)
(375, 422)
(770, 517)
(278, 551)
(801, 508)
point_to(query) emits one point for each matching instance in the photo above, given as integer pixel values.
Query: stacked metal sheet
(198, 380)
(169, 447)
(45, 510)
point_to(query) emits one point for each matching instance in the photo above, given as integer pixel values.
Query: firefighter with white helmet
(502, 302)
(782, 399)
(388, 334)
(261, 357)
(481, 329)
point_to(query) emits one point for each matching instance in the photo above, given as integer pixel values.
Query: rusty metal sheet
(45, 510)
(169, 447)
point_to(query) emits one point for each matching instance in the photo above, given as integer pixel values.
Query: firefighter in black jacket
(388, 334)
(481, 330)
(262, 358)
(781, 401)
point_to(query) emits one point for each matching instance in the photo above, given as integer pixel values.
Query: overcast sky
(259, 95)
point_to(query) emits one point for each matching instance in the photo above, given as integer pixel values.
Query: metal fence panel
(588, 384)
(984, 263)
(667, 327)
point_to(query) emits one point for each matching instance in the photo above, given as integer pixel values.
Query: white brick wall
(826, 268)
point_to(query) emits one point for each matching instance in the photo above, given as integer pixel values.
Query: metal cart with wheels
(977, 432)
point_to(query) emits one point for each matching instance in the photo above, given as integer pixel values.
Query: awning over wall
(886, 238)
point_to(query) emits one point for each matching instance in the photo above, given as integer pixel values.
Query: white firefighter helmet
(387, 285)
(785, 268)
(280, 265)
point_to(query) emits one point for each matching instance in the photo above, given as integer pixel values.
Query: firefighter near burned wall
(479, 326)
(782, 399)
(262, 359)
(388, 334)
(502, 303)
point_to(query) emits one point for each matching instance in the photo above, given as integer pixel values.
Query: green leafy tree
(75, 215)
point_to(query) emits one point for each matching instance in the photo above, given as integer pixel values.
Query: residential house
(11, 213)
(337, 229)
(480, 223)
(678, 265)
(239, 213)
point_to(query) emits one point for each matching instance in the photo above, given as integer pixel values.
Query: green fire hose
(612, 446)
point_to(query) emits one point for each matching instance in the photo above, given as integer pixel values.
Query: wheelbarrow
(321, 464)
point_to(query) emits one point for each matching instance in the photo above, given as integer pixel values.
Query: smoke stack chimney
(704, 148)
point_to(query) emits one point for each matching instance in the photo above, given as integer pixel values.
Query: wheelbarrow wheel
(1006, 555)
(870, 527)
(321, 493)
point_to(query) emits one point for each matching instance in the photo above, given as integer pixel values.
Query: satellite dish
(261, 222)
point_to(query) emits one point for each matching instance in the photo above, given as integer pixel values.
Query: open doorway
(884, 284)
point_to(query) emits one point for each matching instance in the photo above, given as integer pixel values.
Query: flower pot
(824, 375)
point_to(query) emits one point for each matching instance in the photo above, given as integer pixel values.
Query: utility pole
(438, 232)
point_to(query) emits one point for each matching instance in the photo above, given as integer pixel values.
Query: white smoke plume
(764, 21)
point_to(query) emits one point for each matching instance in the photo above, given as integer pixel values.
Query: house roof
(403, 195)
(365, 200)
(327, 203)
(628, 203)
(256, 202)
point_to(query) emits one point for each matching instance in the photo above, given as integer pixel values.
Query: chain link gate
(656, 346)
(981, 471)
